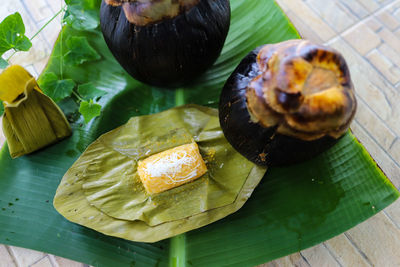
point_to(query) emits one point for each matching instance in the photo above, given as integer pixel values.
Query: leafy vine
(78, 14)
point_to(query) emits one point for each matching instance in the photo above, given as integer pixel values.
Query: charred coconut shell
(165, 42)
(287, 102)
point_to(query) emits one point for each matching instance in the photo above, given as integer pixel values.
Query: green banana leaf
(292, 208)
(102, 190)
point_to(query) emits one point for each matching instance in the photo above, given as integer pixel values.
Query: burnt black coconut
(165, 43)
(286, 103)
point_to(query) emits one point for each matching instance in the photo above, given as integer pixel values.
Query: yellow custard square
(171, 168)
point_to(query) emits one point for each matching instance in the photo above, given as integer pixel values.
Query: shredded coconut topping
(172, 165)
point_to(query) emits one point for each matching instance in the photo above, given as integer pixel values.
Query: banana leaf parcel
(102, 189)
(31, 120)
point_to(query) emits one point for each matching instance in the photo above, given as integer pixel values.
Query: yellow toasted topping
(171, 168)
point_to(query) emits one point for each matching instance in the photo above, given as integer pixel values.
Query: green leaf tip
(80, 51)
(89, 110)
(55, 88)
(12, 34)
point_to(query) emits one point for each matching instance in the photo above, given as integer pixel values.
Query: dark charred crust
(289, 101)
(334, 58)
(323, 55)
(232, 118)
(344, 70)
(347, 83)
(303, 117)
(353, 111)
(296, 85)
(162, 54)
(305, 120)
(310, 53)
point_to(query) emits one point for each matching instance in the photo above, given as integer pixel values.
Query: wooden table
(367, 32)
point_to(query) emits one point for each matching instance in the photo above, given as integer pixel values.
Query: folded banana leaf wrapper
(292, 208)
(103, 191)
(31, 119)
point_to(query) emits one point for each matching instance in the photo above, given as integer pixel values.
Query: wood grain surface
(367, 32)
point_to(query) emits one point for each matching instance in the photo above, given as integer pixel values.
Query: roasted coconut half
(287, 102)
(165, 43)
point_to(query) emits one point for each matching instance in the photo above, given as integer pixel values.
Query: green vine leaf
(3, 63)
(55, 88)
(80, 17)
(89, 110)
(89, 91)
(85, 4)
(1, 108)
(79, 51)
(12, 34)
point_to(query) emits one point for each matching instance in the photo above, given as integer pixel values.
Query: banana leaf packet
(102, 189)
(31, 119)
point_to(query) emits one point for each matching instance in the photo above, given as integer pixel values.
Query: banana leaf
(102, 189)
(291, 209)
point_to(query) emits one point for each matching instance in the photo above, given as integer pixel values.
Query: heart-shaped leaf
(79, 51)
(12, 34)
(89, 110)
(81, 15)
(55, 88)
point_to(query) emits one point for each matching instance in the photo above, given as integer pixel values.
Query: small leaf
(82, 14)
(86, 4)
(89, 110)
(81, 19)
(55, 88)
(23, 45)
(12, 34)
(3, 63)
(89, 91)
(1, 108)
(80, 51)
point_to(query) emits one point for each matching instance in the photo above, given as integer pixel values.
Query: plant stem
(47, 23)
(179, 97)
(61, 46)
(8, 59)
(78, 96)
(177, 248)
(41, 29)
(178, 251)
